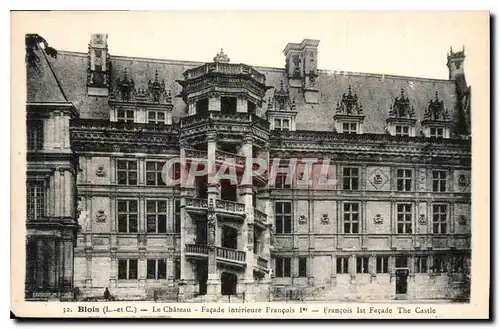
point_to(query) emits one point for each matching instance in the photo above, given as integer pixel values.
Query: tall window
(127, 269)
(351, 217)
(35, 193)
(362, 264)
(283, 217)
(405, 218)
(281, 181)
(127, 216)
(127, 172)
(125, 116)
(281, 124)
(404, 179)
(154, 173)
(351, 178)
(302, 267)
(156, 216)
(35, 134)
(439, 181)
(439, 218)
(437, 132)
(283, 266)
(177, 269)
(402, 130)
(401, 262)
(156, 117)
(421, 264)
(156, 269)
(439, 264)
(342, 265)
(382, 264)
(350, 128)
(177, 216)
(458, 263)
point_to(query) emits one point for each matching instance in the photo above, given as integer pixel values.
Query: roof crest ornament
(221, 57)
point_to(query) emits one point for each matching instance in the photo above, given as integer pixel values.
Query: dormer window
(125, 116)
(402, 130)
(281, 124)
(281, 111)
(436, 132)
(349, 114)
(436, 123)
(350, 128)
(401, 120)
(156, 117)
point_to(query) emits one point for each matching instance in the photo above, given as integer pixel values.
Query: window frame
(348, 213)
(441, 262)
(350, 129)
(421, 264)
(437, 133)
(127, 172)
(404, 183)
(155, 120)
(440, 223)
(128, 268)
(382, 264)
(127, 214)
(35, 134)
(350, 175)
(125, 117)
(362, 265)
(302, 270)
(401, 129)
(404, 213)
(177, 215)
(284, 264)
(439, 182)
(156, 171)
(157, 267)
(342, 265)
(36, 196)
(281, 124)
(284, 217)
(403, 259)
(157, 213)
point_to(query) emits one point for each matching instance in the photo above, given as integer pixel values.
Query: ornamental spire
(221, 57)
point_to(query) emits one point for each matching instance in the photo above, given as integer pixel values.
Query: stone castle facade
(395, 224)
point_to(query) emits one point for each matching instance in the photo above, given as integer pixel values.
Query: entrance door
(202, 277)
(229, 237)
(401, 282)
(228, 283)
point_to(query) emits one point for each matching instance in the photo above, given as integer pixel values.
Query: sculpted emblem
(325, 220)
(422, 219)
(101, 216)
(100, 171)
(302, 219)
(378, 219)
(462, 220)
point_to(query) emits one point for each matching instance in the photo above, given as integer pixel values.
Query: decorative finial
(125, 75)
(221, 57)
(156, 75)
(350, 90)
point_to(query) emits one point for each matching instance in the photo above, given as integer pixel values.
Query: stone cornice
(44, 109)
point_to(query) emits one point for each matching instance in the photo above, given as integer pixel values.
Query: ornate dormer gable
(349, 114)
(281, 111)
(436, 122)
(221, 57)
(130, 104)
(401, 120)
(99, 65)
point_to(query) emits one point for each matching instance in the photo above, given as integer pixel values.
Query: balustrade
(231, 254)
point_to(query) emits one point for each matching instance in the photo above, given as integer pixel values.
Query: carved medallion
(101, 216)
(463, 182)
(462, 220)
(422, 219)
(378, 178)
(302, 219)
(325, 220)
(100, 171)
(378, 219)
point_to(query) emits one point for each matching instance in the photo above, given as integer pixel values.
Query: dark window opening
(283, 216)
(229, 237)
(229, 191)
(342, 265)
(362, 265)
(282, 268)
(202, 107)
(201, 233)
(228, 105)
(252, 108)
(302, 267)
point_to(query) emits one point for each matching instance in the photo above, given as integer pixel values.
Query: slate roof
(375, 91)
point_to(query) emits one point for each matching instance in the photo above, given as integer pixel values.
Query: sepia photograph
(325, 172)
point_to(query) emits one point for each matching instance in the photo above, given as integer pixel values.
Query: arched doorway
(228, 283)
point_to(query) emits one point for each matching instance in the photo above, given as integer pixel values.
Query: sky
(400, 43)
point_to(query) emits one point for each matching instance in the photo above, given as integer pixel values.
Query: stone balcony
(262, 264)
(231, 256)
(224, 255)
(260, 218)
(230, 209)
(226, 69)
(197, 206)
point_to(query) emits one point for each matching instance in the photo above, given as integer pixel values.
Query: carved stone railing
(225, 68)
(231, 254)
(230, 206)
(100, 124)
(196, 203)
(197, 249)
(260, 216)
(196, 154)
(262, 262)
(225, 156)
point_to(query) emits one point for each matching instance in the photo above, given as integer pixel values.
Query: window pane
(132, 272)
(122, 269)
(151, 223)
(132, 223)
(162, 269)
(151, 265)
(162, 224)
